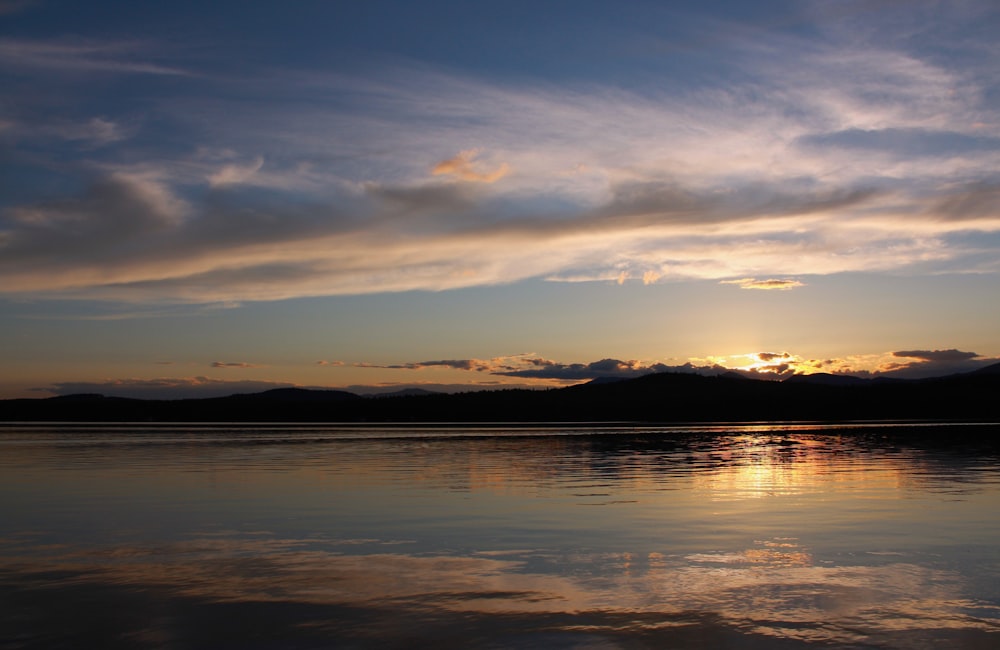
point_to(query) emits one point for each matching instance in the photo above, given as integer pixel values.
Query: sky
(206, 198)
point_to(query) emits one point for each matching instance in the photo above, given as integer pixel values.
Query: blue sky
(202, 197)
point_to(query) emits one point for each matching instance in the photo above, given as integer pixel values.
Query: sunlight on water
(756, 536)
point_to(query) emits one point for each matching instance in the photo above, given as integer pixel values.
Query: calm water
(493, 537)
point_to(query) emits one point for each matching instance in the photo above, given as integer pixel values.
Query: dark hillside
(666, 397)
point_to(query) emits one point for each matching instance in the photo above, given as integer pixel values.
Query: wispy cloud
(92, 133)
(236, 174)
(234, 364)
(766, 285)
(760, 178)
(68, 56)
(906, 142)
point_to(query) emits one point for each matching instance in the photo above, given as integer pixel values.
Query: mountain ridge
(656, 397)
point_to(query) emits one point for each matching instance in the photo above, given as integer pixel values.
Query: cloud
(238, 364)
(478, 365)
(533, 367)
(101, 131)
(583, 371)
(933, 363)
(73, 315)
(968, 201)
(84, 236)
(538, 370)
(767, 285)
(758, 365)
(330, 363)
(170, 249)
(463, 166)
(936, 355)
(902, 364)
(905, 142)
(76, 56)
(236, 174)
(714, 183)
(92, 133)
(421, 208)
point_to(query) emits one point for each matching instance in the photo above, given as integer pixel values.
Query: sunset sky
(201, 198)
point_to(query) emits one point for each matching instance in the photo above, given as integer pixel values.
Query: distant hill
(826, 379)
(662, 397)
(300, 395)
(993, 369)
(604, 380)
(405, 392)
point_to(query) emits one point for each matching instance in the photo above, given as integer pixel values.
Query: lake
(583, 536)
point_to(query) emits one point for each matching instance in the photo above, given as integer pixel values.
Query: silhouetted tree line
(665, 397)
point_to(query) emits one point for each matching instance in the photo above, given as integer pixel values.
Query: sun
(773, 363)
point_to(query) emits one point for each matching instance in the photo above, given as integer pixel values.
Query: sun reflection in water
(761, 466)
(764, 533)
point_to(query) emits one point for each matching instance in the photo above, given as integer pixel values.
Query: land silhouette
(655, 398)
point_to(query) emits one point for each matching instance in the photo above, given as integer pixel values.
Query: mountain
(405, 392)
(826, 379)
(661, 397)
(604, 380)
(993, 369)
(300, 395)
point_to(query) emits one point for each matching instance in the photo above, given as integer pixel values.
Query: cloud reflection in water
(767, 540)
(771, 589)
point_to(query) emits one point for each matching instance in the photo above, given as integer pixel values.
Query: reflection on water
(797, 536)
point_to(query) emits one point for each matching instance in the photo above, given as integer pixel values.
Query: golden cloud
(463, 166)
(772, 284)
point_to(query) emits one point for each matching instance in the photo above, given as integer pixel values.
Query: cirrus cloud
(771, 284)
(758, 180)
(73, 56)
